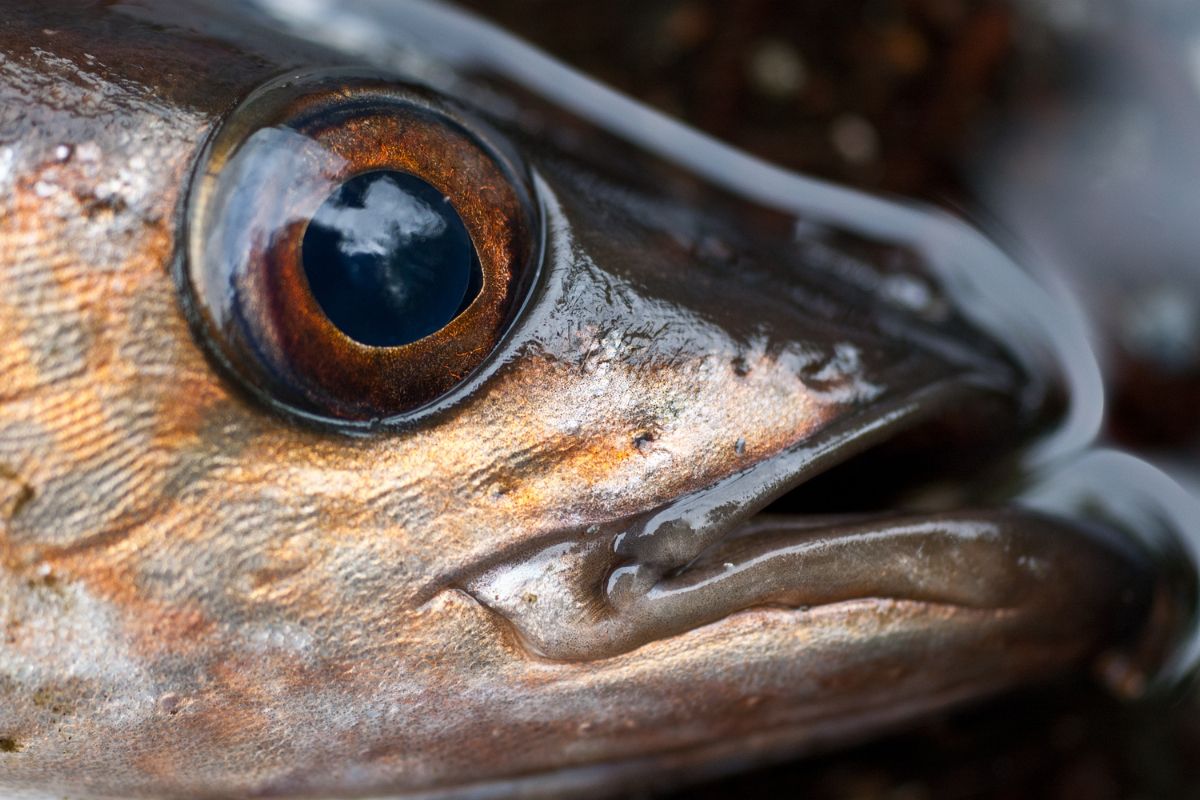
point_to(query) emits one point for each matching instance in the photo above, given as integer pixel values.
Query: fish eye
(355, 248)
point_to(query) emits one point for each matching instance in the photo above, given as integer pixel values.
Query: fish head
(713, 485)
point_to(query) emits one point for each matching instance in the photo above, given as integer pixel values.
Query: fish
(702, 465)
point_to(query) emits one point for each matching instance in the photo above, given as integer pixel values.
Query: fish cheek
(98, 330)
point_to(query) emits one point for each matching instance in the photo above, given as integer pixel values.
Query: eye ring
(271, 167)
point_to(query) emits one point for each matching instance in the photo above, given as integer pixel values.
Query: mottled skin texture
(202, 598)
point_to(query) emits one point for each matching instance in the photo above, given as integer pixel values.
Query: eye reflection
(389, 260)
(356, 249)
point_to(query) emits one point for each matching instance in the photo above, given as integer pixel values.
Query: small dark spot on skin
(170, 703)
(530, 598)
(99, 205)
(10, 745)
(44, 578)
(265, 577)
(24, 496)
(740, 367)
(48, 700)
(20, 497)
(643, 440)
(48, 581)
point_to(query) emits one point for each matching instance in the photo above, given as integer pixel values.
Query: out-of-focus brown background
(1069, 127)
(880, 94)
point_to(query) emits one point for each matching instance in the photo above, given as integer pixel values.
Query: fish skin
(202, 598)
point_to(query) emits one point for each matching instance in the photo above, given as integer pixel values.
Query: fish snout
(876, 429)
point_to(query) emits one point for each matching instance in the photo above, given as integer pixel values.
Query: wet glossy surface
(552, 575)
(388, 260)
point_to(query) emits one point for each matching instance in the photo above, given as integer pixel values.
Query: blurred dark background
(878, 94)
(1069, 130)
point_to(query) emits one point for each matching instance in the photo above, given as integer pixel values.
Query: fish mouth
(799, 533)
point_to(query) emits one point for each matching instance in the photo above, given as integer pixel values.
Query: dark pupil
(389, 260)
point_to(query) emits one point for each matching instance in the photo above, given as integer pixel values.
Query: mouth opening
(966, 457)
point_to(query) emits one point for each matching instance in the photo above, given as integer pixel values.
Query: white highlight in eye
(389, 219)
(265, 156)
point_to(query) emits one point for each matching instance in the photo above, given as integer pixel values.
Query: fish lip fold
(586, 600)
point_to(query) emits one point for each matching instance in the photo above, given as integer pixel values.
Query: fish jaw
(998, 568)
